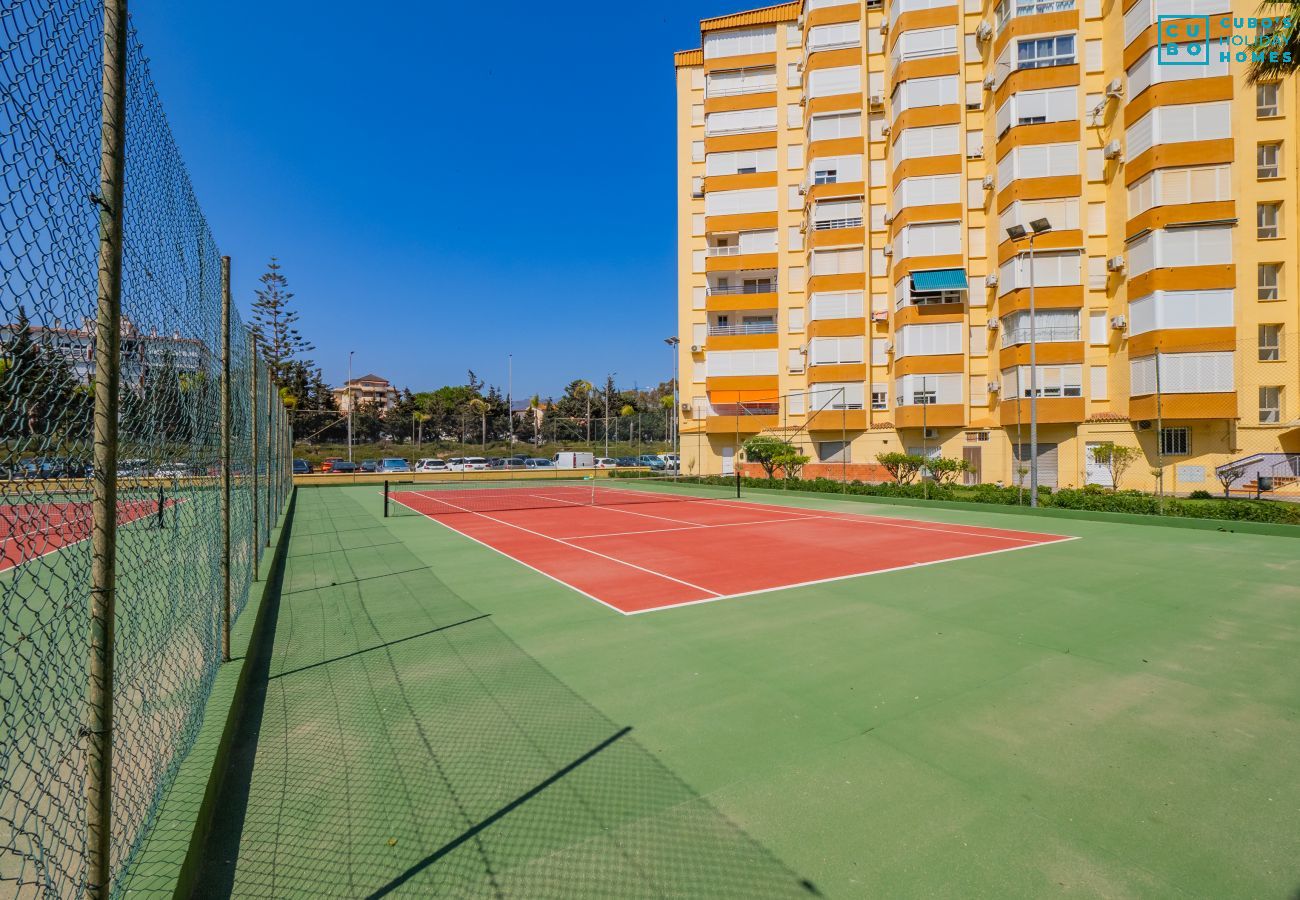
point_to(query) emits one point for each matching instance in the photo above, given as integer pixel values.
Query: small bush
(1200, 495)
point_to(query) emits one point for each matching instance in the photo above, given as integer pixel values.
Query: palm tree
(420, 418)
(627, 412)
(582, 391)
(1280, 57)
(534, 410)
(480, 407)
(666, 404)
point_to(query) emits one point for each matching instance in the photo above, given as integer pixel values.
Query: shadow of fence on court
(399, 743)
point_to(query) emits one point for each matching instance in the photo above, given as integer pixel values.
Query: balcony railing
(847, 222)
(1059, 334)
(738, 91)
(747, 328)
(730, 250)
(1007, 11)
(746, 409)
(761, 287)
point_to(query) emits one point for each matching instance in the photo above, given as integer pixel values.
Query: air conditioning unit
(991, 279)
(993, 324)
(1115, 88)
(994, 387)
(687, 409)
(1112, 150)
(803, 189)
(885, 129)
(884, 28)
(1142, 425)
(888, 250)
(880, 315)
(1115, 264)
(988, 182)
(876, 101)
(1119, 323)
(984, 32)
(989, 81)
(889, 217)
(977, 154)
(932, 434)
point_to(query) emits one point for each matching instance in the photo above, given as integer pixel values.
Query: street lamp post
(349, 396)
(609, 386)
(1016, 232)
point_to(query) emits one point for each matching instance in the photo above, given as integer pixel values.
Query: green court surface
(1115, 716)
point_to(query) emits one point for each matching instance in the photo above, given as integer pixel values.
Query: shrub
(1200, 495)
(903, 467)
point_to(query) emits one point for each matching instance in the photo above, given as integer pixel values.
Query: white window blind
(736, 162)
(839, 80)
(836, 395)
(794, 156)
(1148, 71)
(931, 239)
(1097, 388)
(826, 37)
(794, 361)
(1036, 107)
(1052, 381)
(1098, 328)
(1050, 326)
(927, 190)
(725, 203)
(835, 125)
(1062, 212)
(1038, 161)
(1177, 124)
(1051, 269)
(937, 140)
(740, 81)
(879, 351)
(1209, 245)
(925, 42)
(834, 350)
(919, 92)
(793, 115)
(794, 319)
(758, 241)
(836, 305)
(1194, 184)
(740, 121)
(722, 363)
(1183, 373)
(835, 169)
(928, 340)
(914, 390)
(739, 42)
(837, 262)
(979, 390)
(1144, 13)
(1181, 309)
(837, 211)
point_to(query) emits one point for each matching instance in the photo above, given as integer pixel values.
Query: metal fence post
(225, 459)
(103, 573)
(252, 417)
(271, 450)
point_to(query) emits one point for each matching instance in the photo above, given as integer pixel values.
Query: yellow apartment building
(848, 173)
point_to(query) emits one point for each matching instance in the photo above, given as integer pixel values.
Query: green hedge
(1090, 498)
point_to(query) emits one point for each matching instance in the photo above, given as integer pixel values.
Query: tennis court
(648, 544)
(30, 530)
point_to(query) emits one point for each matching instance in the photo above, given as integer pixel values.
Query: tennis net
(438, 498)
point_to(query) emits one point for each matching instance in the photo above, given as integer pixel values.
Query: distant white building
(368, 389)
(141, 352)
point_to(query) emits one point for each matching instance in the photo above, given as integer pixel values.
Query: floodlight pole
(1033, 382)
(349, 396)
(673, 430)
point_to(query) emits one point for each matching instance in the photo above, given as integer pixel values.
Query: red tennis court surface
(31, 530)
(658, 551)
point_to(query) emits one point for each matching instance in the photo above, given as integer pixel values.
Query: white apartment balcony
(1042, 335)
(746, 328)
(1010, 9)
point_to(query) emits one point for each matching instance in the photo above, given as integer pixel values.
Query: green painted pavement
(1114, 716)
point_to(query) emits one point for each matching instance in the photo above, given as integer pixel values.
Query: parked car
(467, 464)
(327, 464)
(605, 462)
(172, 470)
(516, 462)
(343, 467)
(134, 468)
(300, 467)
(394, 465)
(624, 462)
(651, 461)
(538, 463)
(431, 465)
(369, 465)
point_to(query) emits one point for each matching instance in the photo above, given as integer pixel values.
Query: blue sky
(444, 183)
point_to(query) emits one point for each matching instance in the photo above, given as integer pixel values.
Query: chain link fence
(166, 640)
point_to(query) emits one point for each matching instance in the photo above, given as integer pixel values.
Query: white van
(567, 459)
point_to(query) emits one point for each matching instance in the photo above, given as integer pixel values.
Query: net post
(737, 468)
(162, 499)
(385, 498)
(225, 459)
(270, 447)
(253, 448)
(98, 729)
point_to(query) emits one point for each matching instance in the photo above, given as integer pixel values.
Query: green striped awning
(940, 280)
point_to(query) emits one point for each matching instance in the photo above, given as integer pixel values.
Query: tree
(1116, 458)
(1229, 475)
(1278, 53)
(479, 407)
(790, 461)
(768, 451)
(903, 467)
(946, 470)
(275, 324)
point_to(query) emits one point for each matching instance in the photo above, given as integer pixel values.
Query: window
(793, 115)
(727, 203)
(846, 395)
(975, 144)
(919, 390)
(1151, 69)
(1098, 334)
(827, 37)
(1212, 308)
(834, 452)
(1175, 442)
(1268, 160)
(1182, 373)
(1194, 184)
(837, 214)
(1270, 281)
(929, 340)
(836, 305)
(740, 121)
(1268, 100)
(1050, 326)
(880, 396)
(1038, 161)
(793, 77)
(931, 239)
(1051, 269)
(936, 140)
(1036, 53)
(794, 360)
(1268, 220)
(834, 351)
(1180, 123)
(927, 191)
(831, 82)
(739, 42)
(1037, 107)
(1270, 405)
(721, 363)
(837, 262)
(880, 351)
(836, 125)
(979, 341)
(1270, 343)
(1063, 213)
(740, 162)
(939, 90)
(979, 396)
(740, 81)
(794, 156)
(1166, 248)
(1097, 382)
(925, 42)
(1052, 381)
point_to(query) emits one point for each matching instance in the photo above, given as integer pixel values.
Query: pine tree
(275, 325)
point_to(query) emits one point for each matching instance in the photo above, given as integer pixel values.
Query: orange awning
(744, 397)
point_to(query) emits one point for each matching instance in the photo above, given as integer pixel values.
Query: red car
(327, 464)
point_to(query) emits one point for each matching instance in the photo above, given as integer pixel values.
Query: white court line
(614, 559)
(580, 537)
(1059, 539)
(27, 559)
